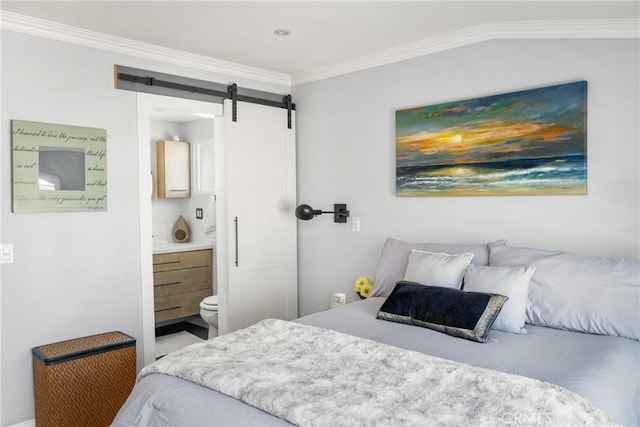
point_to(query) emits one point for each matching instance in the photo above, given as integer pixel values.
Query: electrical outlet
(198, 213)
(338, 300)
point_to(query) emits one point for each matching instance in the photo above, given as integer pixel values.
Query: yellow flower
(361, 282)
(363, 287)
(366, 291)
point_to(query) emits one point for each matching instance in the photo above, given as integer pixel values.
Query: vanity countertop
(164, 247)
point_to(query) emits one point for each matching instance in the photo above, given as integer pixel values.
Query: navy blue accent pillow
(454, 312)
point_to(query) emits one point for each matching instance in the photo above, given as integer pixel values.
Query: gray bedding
(605, 370)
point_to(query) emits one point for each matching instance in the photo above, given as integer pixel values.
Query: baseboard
(28, 423)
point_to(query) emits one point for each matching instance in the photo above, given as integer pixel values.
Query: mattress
(603, 369)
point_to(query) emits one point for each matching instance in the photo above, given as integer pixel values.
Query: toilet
(209, 313)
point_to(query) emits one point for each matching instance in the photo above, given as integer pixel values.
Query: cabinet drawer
(180, 281)
(180, 305)
(179, 260)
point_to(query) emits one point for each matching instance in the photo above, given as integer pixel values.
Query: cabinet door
(261, 225)
(174, 169)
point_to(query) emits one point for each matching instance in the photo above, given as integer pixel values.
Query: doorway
(171, 110)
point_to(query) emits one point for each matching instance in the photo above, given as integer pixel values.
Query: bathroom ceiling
(323, 33)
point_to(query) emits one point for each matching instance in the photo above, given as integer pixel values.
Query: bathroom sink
(163, 246)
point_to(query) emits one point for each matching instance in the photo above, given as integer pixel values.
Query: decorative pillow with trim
(461, 314)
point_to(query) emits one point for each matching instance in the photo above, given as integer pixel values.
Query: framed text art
(58, 168)
(531, 142)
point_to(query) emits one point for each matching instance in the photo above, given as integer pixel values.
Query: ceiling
(323, 33)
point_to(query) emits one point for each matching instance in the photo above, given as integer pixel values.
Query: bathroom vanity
(181, 279)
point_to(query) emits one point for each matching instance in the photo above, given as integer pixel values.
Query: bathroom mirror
(61, 168)
(58, 168)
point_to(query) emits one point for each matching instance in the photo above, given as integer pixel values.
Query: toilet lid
(211, 301)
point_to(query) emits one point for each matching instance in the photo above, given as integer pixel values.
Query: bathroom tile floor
(176, 336)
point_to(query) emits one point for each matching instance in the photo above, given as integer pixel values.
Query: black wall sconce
(340, 212)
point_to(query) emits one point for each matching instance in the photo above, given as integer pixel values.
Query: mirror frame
(26, 140)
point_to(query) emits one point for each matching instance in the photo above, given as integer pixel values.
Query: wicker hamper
(83, 381)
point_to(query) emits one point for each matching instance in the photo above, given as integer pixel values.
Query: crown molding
(595, 28)
(78, 36)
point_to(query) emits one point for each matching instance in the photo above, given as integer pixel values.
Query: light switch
(6, 253)
(198, 213)
(355, 223)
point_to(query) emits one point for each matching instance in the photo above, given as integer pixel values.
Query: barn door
(259, 220)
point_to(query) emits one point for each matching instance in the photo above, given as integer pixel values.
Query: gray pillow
(395, 256)
(579, 292)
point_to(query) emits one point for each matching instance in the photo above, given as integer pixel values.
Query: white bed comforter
(311, 376)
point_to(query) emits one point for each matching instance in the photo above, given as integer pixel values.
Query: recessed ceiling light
(282, 32)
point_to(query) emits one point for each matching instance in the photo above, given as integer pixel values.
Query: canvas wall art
(531, 142)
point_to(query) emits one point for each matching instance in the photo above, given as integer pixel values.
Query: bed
(592, 370)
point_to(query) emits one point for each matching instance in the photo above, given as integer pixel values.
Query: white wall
(74, 274)
(197, 131)
(167, 211)
(346, 153)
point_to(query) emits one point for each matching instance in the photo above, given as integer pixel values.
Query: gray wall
(75, 274)
(346, 153)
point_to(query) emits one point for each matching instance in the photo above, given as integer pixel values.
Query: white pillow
(512, 282)
(579, 292)
(395, 255)
(431, 268)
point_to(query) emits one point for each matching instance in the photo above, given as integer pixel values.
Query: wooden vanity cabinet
(180, 281)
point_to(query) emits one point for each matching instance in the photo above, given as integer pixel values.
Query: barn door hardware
(286, 100)
(152, 81)
(137, 80)
(232, 91)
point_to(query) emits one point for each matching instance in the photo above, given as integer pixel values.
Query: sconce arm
(340, 212)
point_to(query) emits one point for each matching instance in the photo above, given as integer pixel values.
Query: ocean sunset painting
(531, 142)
